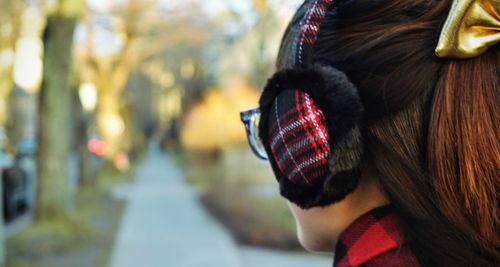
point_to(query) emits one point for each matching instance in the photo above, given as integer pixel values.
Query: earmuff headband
(309, 28)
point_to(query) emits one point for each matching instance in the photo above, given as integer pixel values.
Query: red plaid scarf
(374, 240)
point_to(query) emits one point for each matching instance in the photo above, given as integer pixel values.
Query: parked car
(14, 183)
(14, 192)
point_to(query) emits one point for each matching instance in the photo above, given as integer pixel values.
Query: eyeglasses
(250, 119)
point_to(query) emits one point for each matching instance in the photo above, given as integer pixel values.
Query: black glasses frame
(250, 119)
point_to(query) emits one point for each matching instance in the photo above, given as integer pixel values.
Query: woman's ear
(310, 128)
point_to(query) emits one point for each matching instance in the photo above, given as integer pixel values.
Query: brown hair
(431, 127)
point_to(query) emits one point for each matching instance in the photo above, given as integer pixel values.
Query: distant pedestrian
(382, 128)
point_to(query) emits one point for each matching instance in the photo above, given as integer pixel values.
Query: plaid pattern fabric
(310, 25)
(375, 239)
(299, 137)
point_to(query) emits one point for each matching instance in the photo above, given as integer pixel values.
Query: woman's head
(431, 126)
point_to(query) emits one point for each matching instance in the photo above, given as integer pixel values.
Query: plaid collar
(374, 234)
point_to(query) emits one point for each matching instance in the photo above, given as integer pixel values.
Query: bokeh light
(28, 64)
(88, 96)
(7, 57)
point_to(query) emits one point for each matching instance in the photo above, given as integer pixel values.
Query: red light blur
(97, 147)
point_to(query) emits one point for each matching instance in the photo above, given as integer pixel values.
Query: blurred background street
(179, 232)
(120, 137)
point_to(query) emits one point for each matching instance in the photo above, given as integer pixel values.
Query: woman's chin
(315, 244)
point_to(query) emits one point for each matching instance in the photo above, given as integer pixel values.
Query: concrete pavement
(164, 225)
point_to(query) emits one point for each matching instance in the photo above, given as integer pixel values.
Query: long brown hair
(432, 126)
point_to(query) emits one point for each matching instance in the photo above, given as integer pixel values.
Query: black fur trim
(337, 97)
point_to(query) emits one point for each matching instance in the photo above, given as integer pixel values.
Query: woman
(382, 127)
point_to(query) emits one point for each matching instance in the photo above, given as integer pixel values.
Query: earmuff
(310, 121)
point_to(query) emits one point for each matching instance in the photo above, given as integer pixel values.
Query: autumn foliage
(214, 122)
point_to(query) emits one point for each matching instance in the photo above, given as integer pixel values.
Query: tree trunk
(87, 168)
(87, 171)
(54, 135)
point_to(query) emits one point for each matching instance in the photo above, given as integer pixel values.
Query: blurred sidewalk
(164, 225)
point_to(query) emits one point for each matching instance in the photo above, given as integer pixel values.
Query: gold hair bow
(472, 26)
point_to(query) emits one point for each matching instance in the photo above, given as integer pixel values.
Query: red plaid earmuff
(309, 122)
